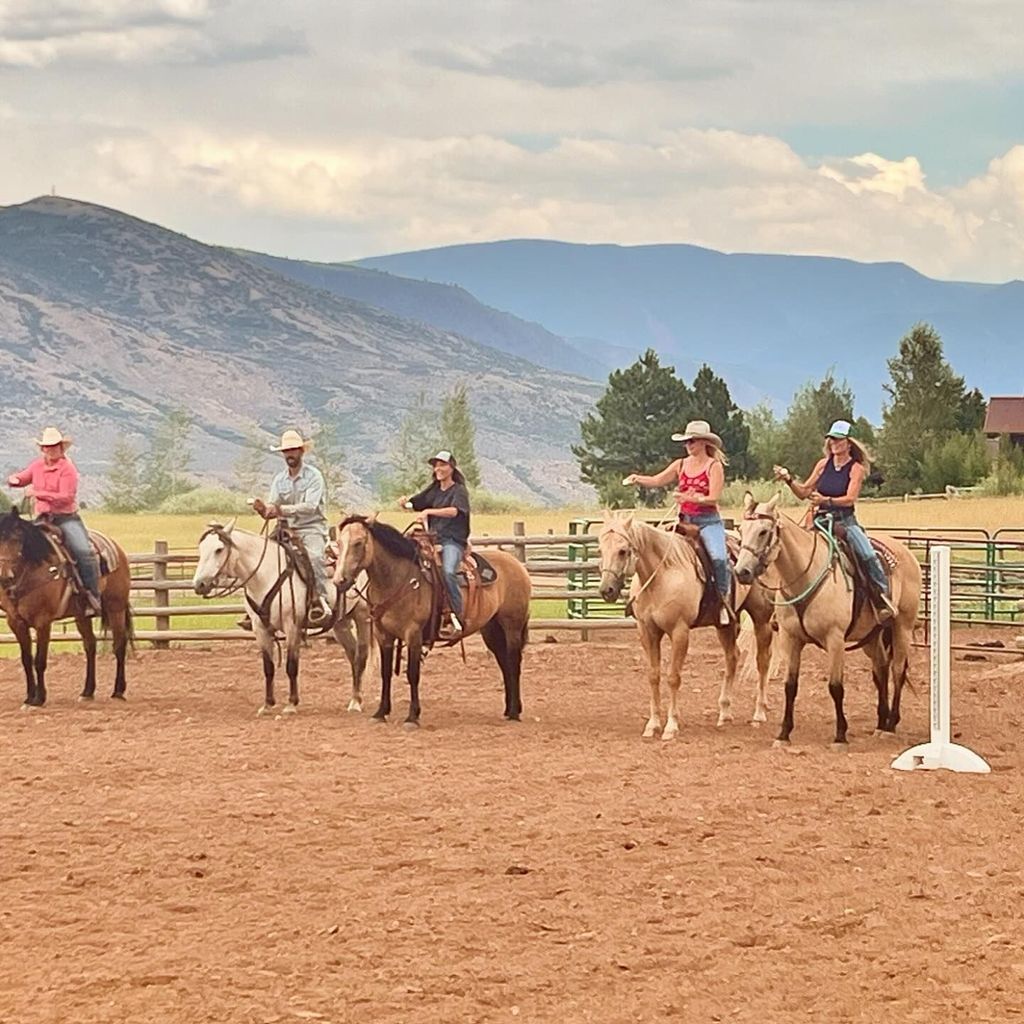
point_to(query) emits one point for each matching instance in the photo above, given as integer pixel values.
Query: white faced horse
(233, 559)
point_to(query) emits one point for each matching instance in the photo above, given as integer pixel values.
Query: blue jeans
(861, 548)
(76, 540)
(314, 540)
(451, 558)
(712, 533)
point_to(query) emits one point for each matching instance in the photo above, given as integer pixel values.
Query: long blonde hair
(858, 452)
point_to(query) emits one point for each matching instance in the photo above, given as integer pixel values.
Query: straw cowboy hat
(292, 439)
(699, 430)
(51, 436)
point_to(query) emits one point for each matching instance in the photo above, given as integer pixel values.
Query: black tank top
(834, 483)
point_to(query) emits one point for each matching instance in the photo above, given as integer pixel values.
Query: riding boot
(885, 610)
(91, 604)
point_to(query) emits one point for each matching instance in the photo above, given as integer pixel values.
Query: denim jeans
(451, 558)
(76, 540)
(315, 541)
(712, 533)
(861, 547)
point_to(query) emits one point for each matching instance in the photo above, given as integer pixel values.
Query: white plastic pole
(940, 751)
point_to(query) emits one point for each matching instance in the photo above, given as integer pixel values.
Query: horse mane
(680, 553)
(387, 536)
(35, 547)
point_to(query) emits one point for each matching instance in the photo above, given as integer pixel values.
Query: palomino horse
(35, 591)
(666, 598)
(400, 597)
(816, 604)
(232, 559)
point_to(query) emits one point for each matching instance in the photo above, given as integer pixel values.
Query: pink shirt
(55, 487)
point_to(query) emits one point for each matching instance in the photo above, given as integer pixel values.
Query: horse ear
(230, 525)
(627, 521)
(773, 501)
(605, 515)
(749, 502)
(372, 517)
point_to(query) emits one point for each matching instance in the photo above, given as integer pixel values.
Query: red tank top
(701, 483)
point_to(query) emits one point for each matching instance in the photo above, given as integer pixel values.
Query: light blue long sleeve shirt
(302, 498)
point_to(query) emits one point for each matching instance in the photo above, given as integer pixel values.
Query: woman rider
(444, 511)
(833, 488)
(701, 478)
(52, 480)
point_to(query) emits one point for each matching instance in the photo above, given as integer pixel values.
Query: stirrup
(885, 610)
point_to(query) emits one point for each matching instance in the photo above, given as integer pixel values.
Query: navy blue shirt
(834, 483)
(457, 527)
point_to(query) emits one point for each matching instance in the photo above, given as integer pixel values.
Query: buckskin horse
(667, 598)
(818, 603)
(401, 595)
(36, 589)
(232, 559)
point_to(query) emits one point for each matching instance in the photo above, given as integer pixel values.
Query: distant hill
(767, 323)
(107, 322)
(444, 306)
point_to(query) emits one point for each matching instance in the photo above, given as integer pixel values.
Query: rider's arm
(459, 498)
(806, 489)
(22, 479)
(63, 498)
(668, 475)
(313, 499)
(421, 501)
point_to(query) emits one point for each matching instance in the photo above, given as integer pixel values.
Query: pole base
(941, 755)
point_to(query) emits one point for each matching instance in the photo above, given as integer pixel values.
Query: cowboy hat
(699, 430)
(51, 436)
(443, 456)
(291, 439)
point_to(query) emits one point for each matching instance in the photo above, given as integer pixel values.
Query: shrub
(204, 501)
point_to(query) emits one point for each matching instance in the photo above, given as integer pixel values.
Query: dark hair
(387, 536)
(35, 547)
(456, 472)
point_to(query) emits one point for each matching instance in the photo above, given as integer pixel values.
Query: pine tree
(164, 473)
(123, 489)
(815, 407)
(328, 457)
(631, 430)
(458, 434)
(712, 402)
(416, 440)
(765, 445)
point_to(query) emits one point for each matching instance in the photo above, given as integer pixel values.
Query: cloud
(33, 36)
(563, 65)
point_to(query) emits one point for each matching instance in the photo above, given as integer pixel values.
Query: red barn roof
(1005, 416)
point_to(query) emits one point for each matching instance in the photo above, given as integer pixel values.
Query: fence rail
(987, 580)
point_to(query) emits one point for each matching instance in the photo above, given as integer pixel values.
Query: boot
(885, 610)
(92, 606)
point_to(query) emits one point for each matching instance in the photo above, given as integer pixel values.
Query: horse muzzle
(202, 587)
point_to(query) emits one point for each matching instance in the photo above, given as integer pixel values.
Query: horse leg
(880, 655)
(88, 635)
(120, 626)
(835, 685)
(727, 638)
(680, 645)
(792, 649)
(266, 644)
(763, 634)
(650, 638)
(515, 638)
(24, 635)
(414, 661)
(387, 668)
(900, 672)
(42, 652)
(291, 663)
(344, 633)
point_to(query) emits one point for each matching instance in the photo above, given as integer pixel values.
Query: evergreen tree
(458, 434)
(815, 407)
(417, 439)
(251, 463)
(928, 403)
(765, 447)
(712, 402)
(123, 490)
(631, 430)
(164, 473)
(328, 457)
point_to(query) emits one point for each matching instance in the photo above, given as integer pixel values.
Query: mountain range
(767, 323)
(107, 323)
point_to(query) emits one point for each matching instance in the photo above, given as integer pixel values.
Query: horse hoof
(355, 706)
(884, 734)
(668, 737)
(512, 718)
(86, 698)
(780, 744)
(290, 709)
(410, 723)
(267, 709)
(118, 696)
(27, 706)
(379, 719)
(840, 746)
(723, 721)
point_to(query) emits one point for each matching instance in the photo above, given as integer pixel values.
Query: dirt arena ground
(180, 860)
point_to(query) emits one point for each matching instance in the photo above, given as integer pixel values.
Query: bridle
(622, 575)
(764, 557)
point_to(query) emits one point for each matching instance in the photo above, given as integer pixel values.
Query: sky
(337, 129)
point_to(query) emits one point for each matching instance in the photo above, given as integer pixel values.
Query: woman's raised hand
(628, 481)
(12, 480)
(781, 473)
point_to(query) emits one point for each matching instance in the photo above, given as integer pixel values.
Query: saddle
(863, 589)
(298, 557)
(710, 602)
(105, 549)
(474, 569)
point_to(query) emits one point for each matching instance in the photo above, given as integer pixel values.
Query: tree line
(930, 435)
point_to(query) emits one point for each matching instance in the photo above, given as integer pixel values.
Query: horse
(401, 601)
(817, 604)
(35, 591)
(665, 595)
(231, 559)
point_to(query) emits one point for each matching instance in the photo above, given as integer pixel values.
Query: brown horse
(35, 591)
(666, 596)
(400, 597)
(817, 604)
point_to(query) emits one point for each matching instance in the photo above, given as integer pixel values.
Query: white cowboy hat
(292, 439)
(699, 430)
(51, 435)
